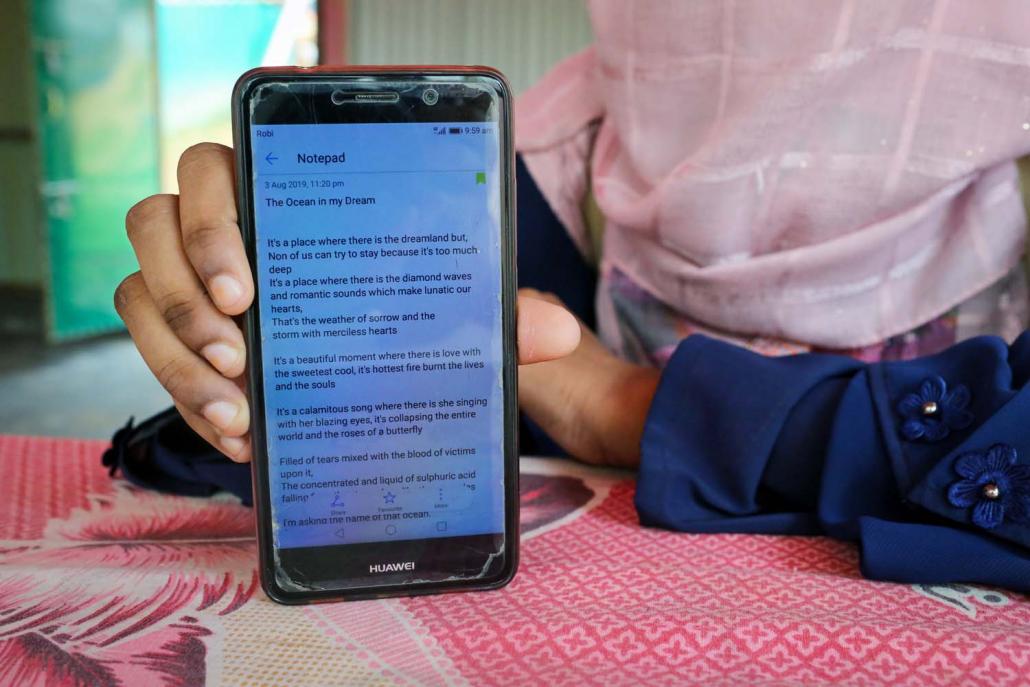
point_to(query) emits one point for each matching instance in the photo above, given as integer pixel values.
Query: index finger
(210, 230)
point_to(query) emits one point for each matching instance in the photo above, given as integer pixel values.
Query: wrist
(628, 402)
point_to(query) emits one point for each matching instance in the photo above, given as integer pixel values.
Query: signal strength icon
(439, 130)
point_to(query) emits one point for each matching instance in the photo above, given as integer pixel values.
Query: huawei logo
(406, 566)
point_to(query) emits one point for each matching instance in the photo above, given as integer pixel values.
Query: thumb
(545, 330)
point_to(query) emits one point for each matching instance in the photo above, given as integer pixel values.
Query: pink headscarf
(828, 172)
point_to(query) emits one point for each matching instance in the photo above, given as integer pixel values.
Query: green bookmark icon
(480, 178)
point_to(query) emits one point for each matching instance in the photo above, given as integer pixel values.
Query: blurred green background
(98, 98)
(106, 95)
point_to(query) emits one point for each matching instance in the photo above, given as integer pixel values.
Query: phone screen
(378, 251)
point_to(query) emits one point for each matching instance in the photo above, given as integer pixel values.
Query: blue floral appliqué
(993, 485)
(933, 412)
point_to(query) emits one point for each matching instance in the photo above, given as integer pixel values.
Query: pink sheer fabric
(826, 172)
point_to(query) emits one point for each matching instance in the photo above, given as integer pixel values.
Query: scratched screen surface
(380, 305)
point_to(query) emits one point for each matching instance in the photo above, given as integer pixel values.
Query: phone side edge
(245, 218)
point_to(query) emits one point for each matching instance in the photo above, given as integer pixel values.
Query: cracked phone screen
(378, 260)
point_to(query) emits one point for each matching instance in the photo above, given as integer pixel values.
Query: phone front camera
(430, 96)
(337, 97)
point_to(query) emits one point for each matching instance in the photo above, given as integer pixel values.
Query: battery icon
(455, 130)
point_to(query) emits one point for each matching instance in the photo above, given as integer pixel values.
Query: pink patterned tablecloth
(104, 584)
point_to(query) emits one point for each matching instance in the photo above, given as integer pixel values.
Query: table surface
(102, 584)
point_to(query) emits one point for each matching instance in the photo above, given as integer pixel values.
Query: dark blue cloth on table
(165, 454)
(925, 463)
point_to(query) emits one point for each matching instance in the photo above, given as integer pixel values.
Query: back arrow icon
(270, 158)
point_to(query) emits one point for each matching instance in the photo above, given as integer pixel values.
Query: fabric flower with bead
(931, 413)
(994, 485)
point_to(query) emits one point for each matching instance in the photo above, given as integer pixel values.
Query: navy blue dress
(925, 463)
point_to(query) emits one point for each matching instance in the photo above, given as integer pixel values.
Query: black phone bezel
(251, 321)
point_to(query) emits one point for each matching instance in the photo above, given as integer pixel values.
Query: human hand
(592, 403)
(194, 278)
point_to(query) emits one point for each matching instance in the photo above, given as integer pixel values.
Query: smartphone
(377, 208)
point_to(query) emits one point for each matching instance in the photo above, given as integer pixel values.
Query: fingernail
(233, 445)
(221, 413)
(225, 290)
(222, 356)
